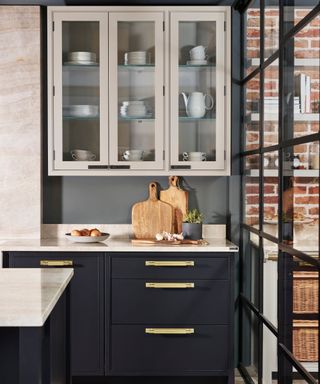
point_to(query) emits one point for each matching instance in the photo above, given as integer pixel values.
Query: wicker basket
(305, 340)
(305, 292)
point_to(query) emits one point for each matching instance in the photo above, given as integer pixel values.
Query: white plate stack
(133, 109)
(82, 58)
(136, 58)
(81, 110)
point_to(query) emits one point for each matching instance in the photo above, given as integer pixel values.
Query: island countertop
(27, 296)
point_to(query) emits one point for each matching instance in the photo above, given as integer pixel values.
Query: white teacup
(82, 155)
(133, 155)
(198, 53)
(194, 156)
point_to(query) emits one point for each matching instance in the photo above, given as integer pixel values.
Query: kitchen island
(131, 304)
(34, 335)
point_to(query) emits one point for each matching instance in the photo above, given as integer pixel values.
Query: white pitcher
(196, 104)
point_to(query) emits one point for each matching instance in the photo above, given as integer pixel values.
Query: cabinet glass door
(136, 81)
(80, 90)
(197, 90)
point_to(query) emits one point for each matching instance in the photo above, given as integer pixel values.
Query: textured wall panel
(20, 122)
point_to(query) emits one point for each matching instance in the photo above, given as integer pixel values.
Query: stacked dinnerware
(82, 110)
(133, 109)
(82, 58)
(136, 58)
(198, 56)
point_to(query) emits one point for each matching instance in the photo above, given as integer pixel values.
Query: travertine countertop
(113, 244)
(27, 296)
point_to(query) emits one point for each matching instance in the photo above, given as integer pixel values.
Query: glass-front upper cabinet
(136, 70)
(80, 101)
(197, 67)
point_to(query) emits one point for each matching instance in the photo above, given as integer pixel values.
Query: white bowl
(87, 239)
(82, 56)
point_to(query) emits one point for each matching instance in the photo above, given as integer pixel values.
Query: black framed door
(279, 273)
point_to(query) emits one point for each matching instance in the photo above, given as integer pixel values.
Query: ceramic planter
(192, 231)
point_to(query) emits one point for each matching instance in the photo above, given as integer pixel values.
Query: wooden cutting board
(151, 216)
(167, 242)
(178, 198)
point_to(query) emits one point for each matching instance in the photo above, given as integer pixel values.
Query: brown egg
(75, 232)
(85, 232)
(95, 232)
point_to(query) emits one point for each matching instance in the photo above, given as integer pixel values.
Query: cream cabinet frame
(158, 73)
(166, 160)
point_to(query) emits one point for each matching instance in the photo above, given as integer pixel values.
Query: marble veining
(20, 122)
(27, 296)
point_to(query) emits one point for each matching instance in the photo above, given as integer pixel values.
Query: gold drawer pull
(154, 263)
(169, 285)
(56, 263)
(169, 331)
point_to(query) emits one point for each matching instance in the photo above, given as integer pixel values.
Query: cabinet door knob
(169, 331)
(56, 263)
(154, 263)
(170, 285)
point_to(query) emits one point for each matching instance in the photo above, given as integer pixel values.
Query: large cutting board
(151, 216)
(178, 198)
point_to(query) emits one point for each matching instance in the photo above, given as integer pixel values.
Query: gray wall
(109, 199)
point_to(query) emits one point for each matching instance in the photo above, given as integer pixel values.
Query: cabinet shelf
(187, 118)
(81, 117)
(80, 66)
(275, 173)
(274, 117)
(311, 62)
(196, 67)
(136, 68)
(150, 118)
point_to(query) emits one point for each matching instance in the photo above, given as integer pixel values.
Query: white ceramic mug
(133, 155)
(194, 156)
(198, 53)
(82, 155)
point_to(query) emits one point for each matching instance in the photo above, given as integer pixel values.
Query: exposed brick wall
(306, 46)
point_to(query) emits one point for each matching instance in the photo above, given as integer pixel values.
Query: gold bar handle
(169, 331)
(169, 285)
(56, 263)
(154, 263)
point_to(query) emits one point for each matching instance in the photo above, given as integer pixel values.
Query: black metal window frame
(286, 252)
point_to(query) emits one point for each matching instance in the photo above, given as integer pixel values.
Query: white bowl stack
(81, 110)
(83, 58)
(136, 58)
(133, 109)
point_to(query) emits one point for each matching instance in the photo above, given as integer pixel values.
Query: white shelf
(297, 62)
(275, 173)
(275, 116)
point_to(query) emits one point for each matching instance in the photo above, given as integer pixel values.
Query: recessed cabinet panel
(136, 78)
(197, 90)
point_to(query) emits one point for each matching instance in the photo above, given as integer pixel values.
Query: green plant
(193, 216)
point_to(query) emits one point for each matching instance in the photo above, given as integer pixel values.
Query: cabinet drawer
(171, 267)
(135, 351)
(202, 302)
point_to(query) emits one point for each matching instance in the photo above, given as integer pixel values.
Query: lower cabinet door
(145, 350)
(87, 307)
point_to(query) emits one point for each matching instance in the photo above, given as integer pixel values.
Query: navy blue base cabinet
(149, 315)
(86, 304)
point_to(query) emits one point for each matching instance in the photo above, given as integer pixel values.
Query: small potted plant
(192, 225)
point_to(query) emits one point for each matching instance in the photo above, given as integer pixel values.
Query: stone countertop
(113, 244)
(27, 296)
